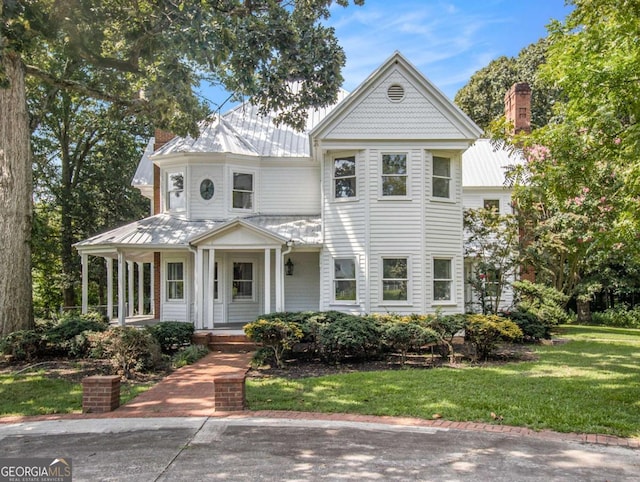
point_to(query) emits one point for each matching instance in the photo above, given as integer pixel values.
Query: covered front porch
(222, 276)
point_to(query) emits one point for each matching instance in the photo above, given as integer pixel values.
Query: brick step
(224, 338)
(232, 346)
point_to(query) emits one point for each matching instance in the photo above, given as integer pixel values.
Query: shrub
(188, 355)
(63, 338)
(620, 317)
(172, 335)
(533, 329)
(128, 349)
(23, 345)
(484, 332)
(277, 335)
(350, 336)
(408, 336)
(542, 301)
(447, 327)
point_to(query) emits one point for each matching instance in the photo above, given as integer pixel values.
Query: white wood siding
(215, 207)
(290, 190)
(302, 289)
(176, 310)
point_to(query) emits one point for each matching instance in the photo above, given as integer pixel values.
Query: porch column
(141, 288)
(210, 289)
(109, 288)
(152, 289)
(85, 283)
(121, 281)
(199, 291)
(267, 280)
(130, 286)
(279, 281)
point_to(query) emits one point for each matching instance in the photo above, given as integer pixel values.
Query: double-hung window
(492, 204)
(175, 281)
(344, 177)
(243, 190)
(175, 191)
(442, 279)
(441, 180)
(395, 279)
(242, 281)
(394, 174)
(344, 279)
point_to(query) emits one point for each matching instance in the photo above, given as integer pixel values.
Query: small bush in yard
(189, 355)
(485, 332)
(63, 338)
(408, 337)
(350, 336)
(447, 327)
(533, 329)
(275, 334)
(23, 345)
(619, 317)
(172, 335)
(128, 349)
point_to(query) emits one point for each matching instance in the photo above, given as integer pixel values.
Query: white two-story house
(360, 213)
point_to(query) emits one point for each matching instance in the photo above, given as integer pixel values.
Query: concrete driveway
(254, 448)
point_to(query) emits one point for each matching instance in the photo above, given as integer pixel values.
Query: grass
(35, 394)
(590, 384)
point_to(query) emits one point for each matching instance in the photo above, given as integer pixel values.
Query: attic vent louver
(395, 93)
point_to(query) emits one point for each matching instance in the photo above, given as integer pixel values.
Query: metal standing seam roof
(484, 165)
(164, 230)
(144, 171)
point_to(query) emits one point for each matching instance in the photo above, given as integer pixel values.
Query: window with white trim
(176, 200)
(243, 190)
(442, 279)
(441, 179)
(491, 204)
(344, 177)
(242, 284)
(395, 279)
(394, 174)
(344, 279)
(175, 281)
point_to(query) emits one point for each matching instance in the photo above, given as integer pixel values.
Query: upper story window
(344, 176)
(492, 204)
(394, 174)
(175, 191)
(441, 177)
(344, 279)
(395, 279)
(242, 190)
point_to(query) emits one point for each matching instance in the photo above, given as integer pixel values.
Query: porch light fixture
(289, 267)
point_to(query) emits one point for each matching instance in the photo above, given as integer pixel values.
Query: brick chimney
(517, 107)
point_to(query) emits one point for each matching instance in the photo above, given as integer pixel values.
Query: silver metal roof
(484, 165)
(144, 172)
(163, 231)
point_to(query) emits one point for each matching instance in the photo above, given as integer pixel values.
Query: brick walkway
(188, 392)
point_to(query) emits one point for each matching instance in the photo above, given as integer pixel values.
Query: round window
(206, 189)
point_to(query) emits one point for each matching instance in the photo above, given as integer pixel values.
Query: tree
(580, 194)
(482, 98)
(147, 57)
(493, 245)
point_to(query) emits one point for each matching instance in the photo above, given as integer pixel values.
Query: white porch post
(85, 283)
(199, 291)
(152, 289)
(210, 289)
(279, 281)
(130, 286)
(121, 281)
(140, 288)
(109, 288)
(267, 280)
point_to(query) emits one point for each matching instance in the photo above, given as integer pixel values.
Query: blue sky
(447, 40)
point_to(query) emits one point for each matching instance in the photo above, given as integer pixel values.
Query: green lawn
(590, 384)
(35, 394)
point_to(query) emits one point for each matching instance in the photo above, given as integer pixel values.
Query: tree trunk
(584, 311)
(16, 307)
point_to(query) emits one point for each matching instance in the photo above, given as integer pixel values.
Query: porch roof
(165, 231)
